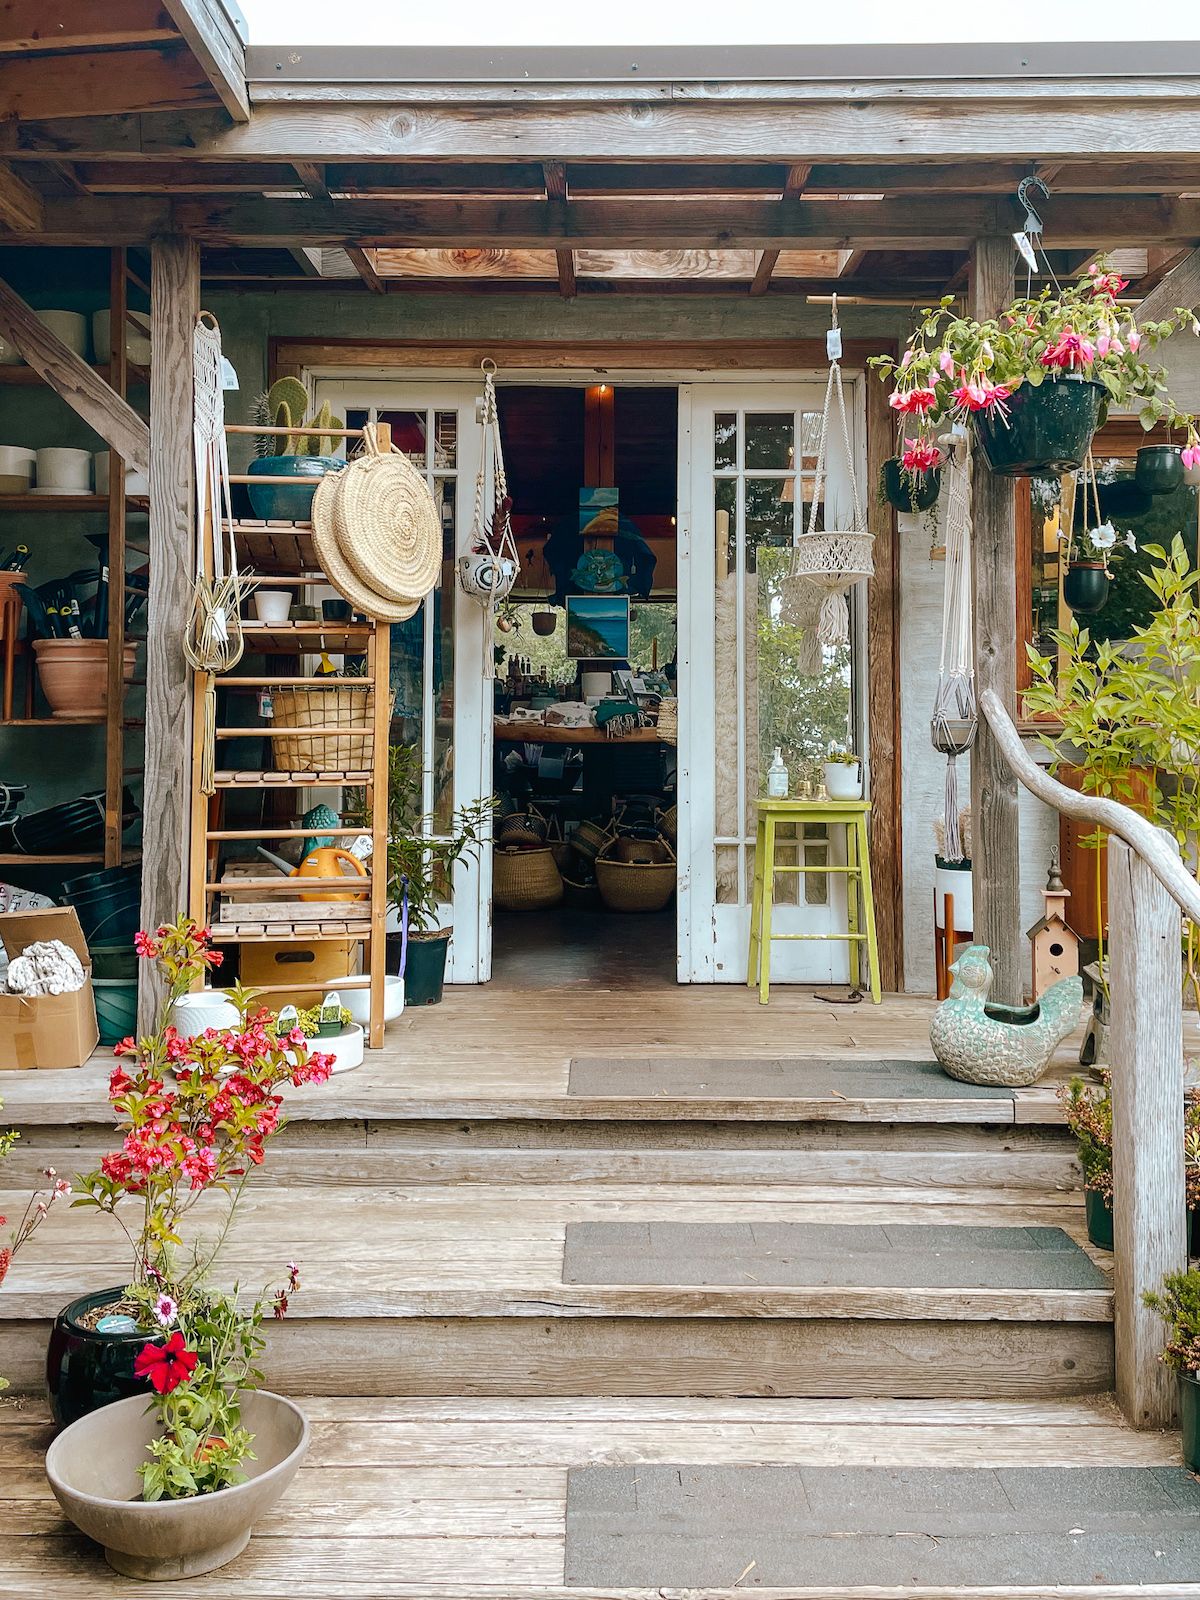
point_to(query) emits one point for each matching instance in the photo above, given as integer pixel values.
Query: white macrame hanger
(955, 716)
(491, 538)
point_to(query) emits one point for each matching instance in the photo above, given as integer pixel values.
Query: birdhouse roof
(1052, 921)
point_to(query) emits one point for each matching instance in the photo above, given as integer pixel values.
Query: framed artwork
(598, 513)
(598, 627)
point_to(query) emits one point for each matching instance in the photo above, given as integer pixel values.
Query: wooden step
(467, 1499)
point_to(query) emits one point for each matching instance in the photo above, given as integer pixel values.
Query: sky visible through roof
(686, 22)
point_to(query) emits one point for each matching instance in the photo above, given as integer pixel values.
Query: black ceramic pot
(1048, 428)
(1085, 587)
(1100, 1223)
(910, 492)
(1189, 1419)
(1159, 469)
(425, 972)
(86, 1369)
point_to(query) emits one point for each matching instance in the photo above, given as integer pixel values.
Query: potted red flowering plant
(170, 1335)
(1178, 1304)
(1037, 380)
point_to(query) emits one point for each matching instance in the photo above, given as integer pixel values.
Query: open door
(747, 466)
(442, 701)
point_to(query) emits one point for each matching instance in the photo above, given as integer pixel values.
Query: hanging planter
(544, 623)
(910, 492)
(1159, 469)
(1085, 587)
(1047, 429)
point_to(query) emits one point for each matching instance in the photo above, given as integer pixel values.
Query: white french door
(746, 474)
(443, 702)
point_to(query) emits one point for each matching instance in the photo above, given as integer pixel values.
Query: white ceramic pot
(137, 337)
(358, 1001)
(346, 1048)
(843, 780)
(16, 469)
(62, 471)
(70, 326)
(596, 685)
(954, 881)
(204, 1008)
(135, 482)
(272, 605)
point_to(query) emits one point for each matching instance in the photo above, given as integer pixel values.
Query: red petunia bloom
(166, 1365)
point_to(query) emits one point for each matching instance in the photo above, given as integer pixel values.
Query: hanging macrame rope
(955, 717)
(489, 571)
(212, 636)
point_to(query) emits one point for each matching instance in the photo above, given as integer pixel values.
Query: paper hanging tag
(833, 344)
(229, 377)
(1025, 250)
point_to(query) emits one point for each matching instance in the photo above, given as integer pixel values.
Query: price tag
(1025, 250)
(833, 344)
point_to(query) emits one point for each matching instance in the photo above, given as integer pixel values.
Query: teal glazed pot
(86, 1369)
(1099, 1220)
(288, 502)
(910, 492)
(1159, 469)
(1048, 429)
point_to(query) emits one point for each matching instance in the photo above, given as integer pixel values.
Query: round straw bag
(635, 885)
(337, 569)
(388, 525)
(525, 880)
(347, 706)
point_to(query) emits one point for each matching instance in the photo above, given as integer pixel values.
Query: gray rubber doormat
(730, 1078)
(707, 1527)
(826, 1255)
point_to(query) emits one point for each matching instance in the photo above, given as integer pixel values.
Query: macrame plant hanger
(955, 716)
(490, 579)
(831, 561)
(212, 635)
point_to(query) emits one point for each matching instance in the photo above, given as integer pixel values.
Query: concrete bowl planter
(92, 1467)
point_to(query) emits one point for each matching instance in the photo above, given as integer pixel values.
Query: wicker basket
(590, 838)
(347, 706)
(579, 892)
(525, 880)
(635, 885)
(668, 721)
(525, 828)
(668, 824)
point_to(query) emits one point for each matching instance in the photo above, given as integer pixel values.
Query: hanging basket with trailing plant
(1037, 380)
(910, 491)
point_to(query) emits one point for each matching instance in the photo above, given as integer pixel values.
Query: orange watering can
(326, 862)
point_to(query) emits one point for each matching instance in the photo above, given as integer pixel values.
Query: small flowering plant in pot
(193, 1348)
(1178, 1304)
(1037, 380)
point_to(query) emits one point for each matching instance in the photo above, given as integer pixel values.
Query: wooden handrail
(1151, 843)
(1148, 887)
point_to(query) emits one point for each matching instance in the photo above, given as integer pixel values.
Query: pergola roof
(741, 171)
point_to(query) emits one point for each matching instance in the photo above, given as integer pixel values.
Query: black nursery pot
(85, 1369)
(1048, 428)
(917, 491)
(1189, 1419)
(1085, 587)
(425, 971)
(1100, 1223)
(1159, 469)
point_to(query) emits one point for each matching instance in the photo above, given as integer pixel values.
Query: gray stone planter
(92, 1467)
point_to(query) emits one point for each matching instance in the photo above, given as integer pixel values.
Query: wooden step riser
(633, 1356)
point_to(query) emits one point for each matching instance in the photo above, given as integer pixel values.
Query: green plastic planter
(910, 492)
(288, 502)
(1048, 429)
(116, 1008)
(1100, 1223)
(1085, 587)
(1159, 469)
(425, 971)
(85, 1369)
(1189, 1419)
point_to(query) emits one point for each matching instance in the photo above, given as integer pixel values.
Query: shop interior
(585, 660)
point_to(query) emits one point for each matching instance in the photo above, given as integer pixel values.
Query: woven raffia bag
(327, 543)
(387, 524)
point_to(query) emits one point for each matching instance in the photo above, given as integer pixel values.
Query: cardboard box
(47, 1030)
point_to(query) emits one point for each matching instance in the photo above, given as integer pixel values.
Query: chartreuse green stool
(860, 905)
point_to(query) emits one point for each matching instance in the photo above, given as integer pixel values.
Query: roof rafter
(793, 188)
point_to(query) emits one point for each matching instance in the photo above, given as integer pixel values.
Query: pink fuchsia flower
(61, 1188)
(946, 362)
(1190, 455)
(913, 402)
(165, 1311)
(981, 394)
(1134, 339)
(921, 455)
(1107, 284)
(1069, 350)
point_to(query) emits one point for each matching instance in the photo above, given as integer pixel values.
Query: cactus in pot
(305, 451)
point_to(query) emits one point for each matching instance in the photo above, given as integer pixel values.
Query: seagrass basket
(668, 824)
(590, 838)
(525, 828)
(668, 721)
(525, 880)
(347, 706)
(640, 885)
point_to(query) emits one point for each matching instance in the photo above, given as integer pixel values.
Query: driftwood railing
(1148, 889)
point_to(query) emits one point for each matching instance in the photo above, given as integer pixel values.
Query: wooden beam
(996, 856)
(20, 203)
(309, 261)
(81, 386)
(365, 267)
(555, 175)
(31, 25)
(149, 78)
(180, 177)
(793, 188)
(217, 46)
(1149, 1217)
(312, 177)
(1180, 287)
(94, 221)
(174, 306)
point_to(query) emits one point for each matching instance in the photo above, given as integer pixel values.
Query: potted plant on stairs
(307, 452)
(174, 1490)
(1178, 1304)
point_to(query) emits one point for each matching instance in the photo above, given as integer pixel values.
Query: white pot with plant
(843, 775)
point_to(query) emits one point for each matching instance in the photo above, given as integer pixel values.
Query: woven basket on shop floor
(525, 828)
(590, 838)
(668, 824)
(347, 706)
(645, 885)
(668, 721)
(525, 880)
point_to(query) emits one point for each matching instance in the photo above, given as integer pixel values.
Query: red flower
(913, 402)
(145, 945)
(119, 1083)
(921, 455)
(5, 1260)
(166, 1365)
(126, 1046)
(1069, 351)
(213, 958)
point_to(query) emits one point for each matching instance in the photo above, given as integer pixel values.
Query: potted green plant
(1159, 468)
(307, 452)
(421, 860)
(843, 775)
(1178, 1304)
(1037, 380)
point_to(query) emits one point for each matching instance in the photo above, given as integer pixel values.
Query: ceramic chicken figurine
(1006, 1046)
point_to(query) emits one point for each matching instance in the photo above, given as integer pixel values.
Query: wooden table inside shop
(538, 733)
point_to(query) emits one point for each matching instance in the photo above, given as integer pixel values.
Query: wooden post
(174, 305)
(114, 741)
(1146, 1049)
(994, 815)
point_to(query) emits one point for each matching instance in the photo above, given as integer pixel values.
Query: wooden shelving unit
(283, 553)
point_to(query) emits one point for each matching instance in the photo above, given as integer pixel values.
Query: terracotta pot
(73, 674)
(92, 1467)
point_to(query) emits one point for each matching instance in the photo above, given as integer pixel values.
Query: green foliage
(415, 851)
(1088, 1114)
(310, 1020)
(1178, 1304)
(805, 715)
(283, 406)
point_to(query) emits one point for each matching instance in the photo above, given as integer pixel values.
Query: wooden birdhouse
(1055, 943)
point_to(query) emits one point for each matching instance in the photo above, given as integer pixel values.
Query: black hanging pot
(1085, 587)
(1048, 428)
(87, 1368)
(1159, 469)
(910, 491)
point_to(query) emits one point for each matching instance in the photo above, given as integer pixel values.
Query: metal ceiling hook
(1033, 223)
